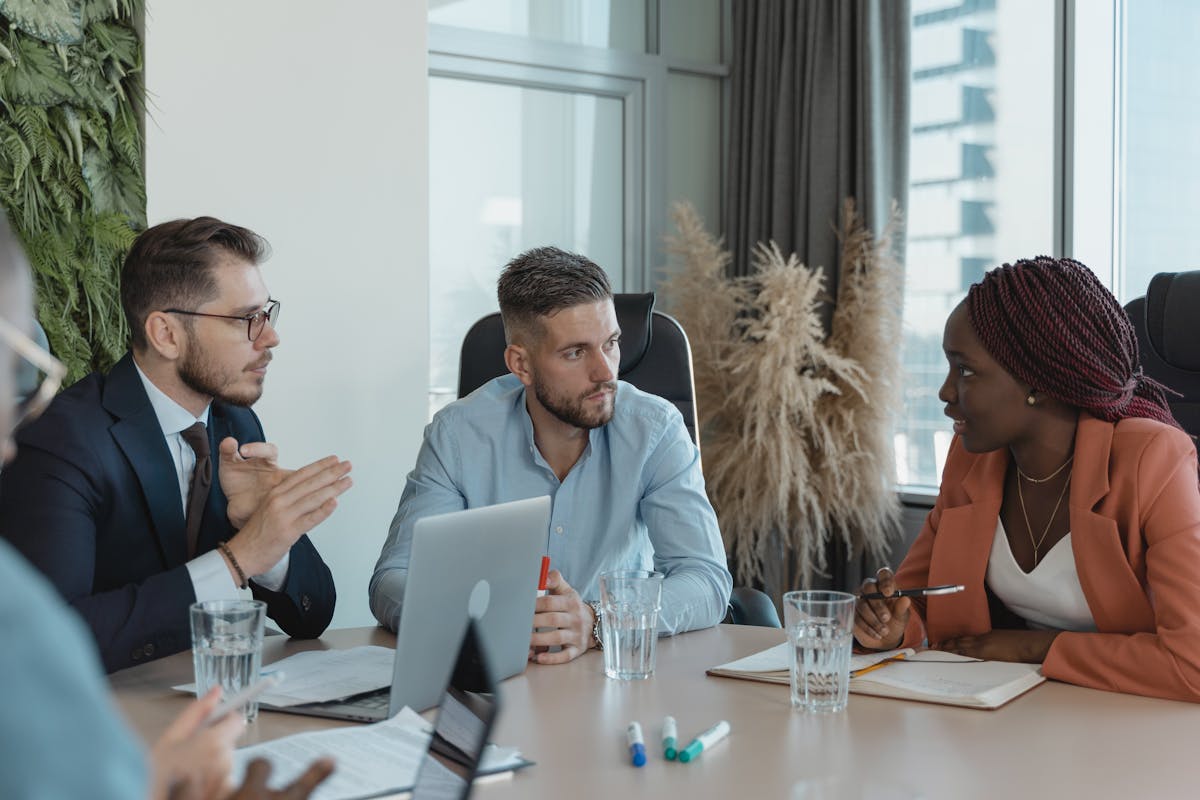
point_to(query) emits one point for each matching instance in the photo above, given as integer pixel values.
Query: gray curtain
(819, 111)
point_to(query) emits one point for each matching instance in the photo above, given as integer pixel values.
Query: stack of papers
(371, 760)
(930, 676)
(319, 676)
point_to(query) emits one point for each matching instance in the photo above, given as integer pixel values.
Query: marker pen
(637, 745)
(704, 741)
(542, 577)
(669, 741)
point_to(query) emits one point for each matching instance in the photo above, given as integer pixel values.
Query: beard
(200, 374)
(571, 410)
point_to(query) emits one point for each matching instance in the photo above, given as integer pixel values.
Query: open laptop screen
(460, 733)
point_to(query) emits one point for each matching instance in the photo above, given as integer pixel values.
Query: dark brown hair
(544, 280)
(1053, 325)
(170, 266)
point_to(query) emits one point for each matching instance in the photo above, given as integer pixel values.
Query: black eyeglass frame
(268, 313)
(53, 371)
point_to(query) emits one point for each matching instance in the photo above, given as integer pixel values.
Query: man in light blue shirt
(623, 473)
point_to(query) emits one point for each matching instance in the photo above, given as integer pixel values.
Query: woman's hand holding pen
(879, 624)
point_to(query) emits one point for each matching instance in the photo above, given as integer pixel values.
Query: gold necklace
(1048, 477)
(1037, 544)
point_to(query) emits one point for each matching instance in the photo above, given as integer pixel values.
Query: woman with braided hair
(1069, 504)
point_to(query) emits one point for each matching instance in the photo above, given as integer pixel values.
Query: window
(982, 183)
(999, 153)
(549, 125)
(1159, 156)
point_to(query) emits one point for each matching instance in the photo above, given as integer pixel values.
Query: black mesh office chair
(1167, 321)
(656, 358)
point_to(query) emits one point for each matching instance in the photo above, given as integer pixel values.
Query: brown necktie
(197, 437)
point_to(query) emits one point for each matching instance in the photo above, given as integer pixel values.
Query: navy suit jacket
(92, 500)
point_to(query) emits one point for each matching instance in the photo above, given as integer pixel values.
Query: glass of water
(820, 629)
(629, 604)
(227, 646)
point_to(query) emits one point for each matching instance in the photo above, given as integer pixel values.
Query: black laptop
(460, 733)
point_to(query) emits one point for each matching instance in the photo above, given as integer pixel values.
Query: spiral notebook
(928, 676)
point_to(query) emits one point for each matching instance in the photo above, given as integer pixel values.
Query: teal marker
(669, 734)
(704, 741)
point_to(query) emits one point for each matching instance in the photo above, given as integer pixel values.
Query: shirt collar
(172, 417)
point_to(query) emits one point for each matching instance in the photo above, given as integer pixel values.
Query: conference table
(1056, 741)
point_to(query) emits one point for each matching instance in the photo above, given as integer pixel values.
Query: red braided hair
(1053, 325)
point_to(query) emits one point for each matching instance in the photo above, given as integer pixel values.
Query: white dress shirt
(211, 579)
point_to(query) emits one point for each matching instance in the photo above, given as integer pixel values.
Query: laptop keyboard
(371, 701)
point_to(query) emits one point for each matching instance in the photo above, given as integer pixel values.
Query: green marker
(704, 741)
(669, 734)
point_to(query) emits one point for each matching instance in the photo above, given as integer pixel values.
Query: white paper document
(773, 665)
(382, 758)
(932, 676)
(318, 676)
(929, 676)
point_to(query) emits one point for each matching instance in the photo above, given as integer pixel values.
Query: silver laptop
(480, 564)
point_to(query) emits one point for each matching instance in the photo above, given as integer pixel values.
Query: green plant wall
(71, 163)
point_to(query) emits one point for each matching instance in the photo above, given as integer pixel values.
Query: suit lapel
(138, 433)
(1117, 601)
(961, 551)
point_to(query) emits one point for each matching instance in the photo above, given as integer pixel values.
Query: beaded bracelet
(224, 548)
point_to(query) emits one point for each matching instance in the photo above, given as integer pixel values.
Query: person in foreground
(619, 465)
(1069, 504)
(62, 736)
(148, 488)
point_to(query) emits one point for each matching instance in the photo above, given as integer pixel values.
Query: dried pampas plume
(796, 427)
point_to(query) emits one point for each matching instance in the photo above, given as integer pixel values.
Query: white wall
(308, 122)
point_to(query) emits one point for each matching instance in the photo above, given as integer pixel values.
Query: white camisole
(1050, 597)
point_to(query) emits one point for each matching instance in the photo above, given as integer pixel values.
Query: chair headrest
(634, 312)
(1172, 302)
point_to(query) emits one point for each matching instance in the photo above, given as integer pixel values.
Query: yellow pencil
(877, 665)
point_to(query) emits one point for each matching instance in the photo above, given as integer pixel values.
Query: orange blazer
(1135, 531)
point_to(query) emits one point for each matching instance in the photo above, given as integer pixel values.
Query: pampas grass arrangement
(796, 426)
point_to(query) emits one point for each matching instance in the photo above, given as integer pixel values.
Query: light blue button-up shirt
(634, 500)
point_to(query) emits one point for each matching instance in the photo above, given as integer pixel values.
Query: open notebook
(930, 676)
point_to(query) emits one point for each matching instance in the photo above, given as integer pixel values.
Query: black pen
(923, 591)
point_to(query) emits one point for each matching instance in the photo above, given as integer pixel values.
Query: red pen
(542, 577)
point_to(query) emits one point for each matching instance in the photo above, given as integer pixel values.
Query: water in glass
(629, 633)
(231, 662)
(820, 665)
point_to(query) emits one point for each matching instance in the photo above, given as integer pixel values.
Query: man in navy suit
(143, 490)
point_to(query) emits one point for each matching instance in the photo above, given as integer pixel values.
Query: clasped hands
(880, 625)
(272, 507)
(569, 619)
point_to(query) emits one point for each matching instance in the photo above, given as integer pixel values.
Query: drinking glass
(227, 646)
(820, 629)
(629, 604)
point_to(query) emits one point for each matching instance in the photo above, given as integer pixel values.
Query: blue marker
(637, 745)
(704, 741)
(669, 740)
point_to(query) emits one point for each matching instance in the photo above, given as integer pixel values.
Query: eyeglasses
(254, 322)
(38, 376)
